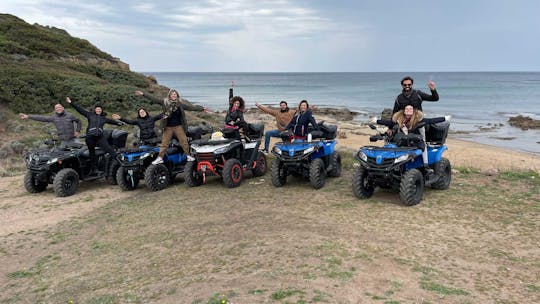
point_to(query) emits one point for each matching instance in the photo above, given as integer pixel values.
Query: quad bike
(312, 159)
(136, 163)
(64, 167)
(399, 165)
(228, 158)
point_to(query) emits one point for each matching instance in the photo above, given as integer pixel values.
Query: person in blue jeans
(283, 116)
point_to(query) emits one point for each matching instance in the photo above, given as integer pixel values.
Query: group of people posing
(406, 115)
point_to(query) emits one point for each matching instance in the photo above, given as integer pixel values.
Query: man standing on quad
(63, 122)
(412, 97)
(174, 121)
(283, 117)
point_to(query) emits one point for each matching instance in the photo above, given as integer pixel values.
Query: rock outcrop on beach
(524, 122)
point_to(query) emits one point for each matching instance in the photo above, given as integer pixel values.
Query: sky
(301, 35)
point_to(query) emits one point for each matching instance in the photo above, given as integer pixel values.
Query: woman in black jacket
(146, 124)
(301, 120)
(94, 131)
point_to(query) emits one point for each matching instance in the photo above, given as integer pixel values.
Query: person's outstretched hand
(23, 116)
(68, 100)
(431, 85)
(139, 93)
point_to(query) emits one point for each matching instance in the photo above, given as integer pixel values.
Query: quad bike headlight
(221, 150)
(309, 150)
(362, 156)
(277, 150)
(52, 161)
(402, 158)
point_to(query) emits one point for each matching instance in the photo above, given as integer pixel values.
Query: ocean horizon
(479, 102)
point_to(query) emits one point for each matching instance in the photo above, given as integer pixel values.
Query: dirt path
(21, 211)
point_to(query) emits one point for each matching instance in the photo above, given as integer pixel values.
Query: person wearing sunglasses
(412, 97)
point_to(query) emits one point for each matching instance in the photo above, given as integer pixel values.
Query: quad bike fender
(435, 154)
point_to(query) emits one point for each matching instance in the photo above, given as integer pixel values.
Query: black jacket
(146, 125)
(300, 121)
(95, 122)
(415, 100)
(237, 117)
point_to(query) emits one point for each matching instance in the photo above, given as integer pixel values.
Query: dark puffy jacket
(146, 125)
(236, 116)
(299, 123)
(95, 122)
(63, 123)
(415, 100)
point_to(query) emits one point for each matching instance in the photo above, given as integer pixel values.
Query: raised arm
(78, 108)
(266, 109)
(149, 97)
(190, 107)
(434, 96)
(113, 122)
(157, 117)
(40, 118)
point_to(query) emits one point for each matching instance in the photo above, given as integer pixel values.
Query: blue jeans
(267, 135)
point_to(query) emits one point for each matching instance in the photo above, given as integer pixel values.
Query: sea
(480, 102)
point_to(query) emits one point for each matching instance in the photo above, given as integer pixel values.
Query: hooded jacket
(174, 107)
(146, 125)
(95, 121)
(63, 123)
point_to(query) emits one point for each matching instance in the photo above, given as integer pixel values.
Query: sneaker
(190, 158)
(157, 161)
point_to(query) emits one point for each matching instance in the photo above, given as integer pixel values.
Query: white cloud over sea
(283, 35)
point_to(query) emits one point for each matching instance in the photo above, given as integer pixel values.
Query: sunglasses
(407, 84)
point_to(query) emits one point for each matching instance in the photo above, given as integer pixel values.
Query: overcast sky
(301, 36)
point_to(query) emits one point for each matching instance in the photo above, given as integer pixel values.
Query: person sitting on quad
(235, 114)
(301, 120)
(146, 124)
(407, 121)
(94, 131)
(174, 121)
(63, 122)
(283, 117)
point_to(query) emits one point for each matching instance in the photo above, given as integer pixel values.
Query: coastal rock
(339, 114)
(386, 114)
(524, 122)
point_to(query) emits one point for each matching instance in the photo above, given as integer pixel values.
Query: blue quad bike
(136, 163)
(229, 157)
(398, 164)
(313, 159)
(65, 167)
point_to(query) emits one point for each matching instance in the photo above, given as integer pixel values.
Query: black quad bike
(63, 168)
(228, 158)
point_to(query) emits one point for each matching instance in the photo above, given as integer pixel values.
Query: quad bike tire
(66, 182)
(278, 172)
(157, 177)
(335, 163)
(111, 174)
(125, 181)
(192, 177)
(232, 173)
(317, 173)
(260, 168)
(31, 185)
(361, 185)
(443, 169)
(411, 188)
